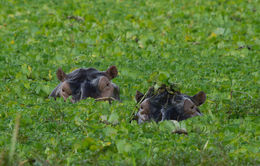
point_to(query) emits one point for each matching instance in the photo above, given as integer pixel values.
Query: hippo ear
(61, 75)
(112, 72)
(138, 96)
(199, 98)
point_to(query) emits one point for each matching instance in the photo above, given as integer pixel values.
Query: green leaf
(113, 118)
(219, 31)
(123, 146)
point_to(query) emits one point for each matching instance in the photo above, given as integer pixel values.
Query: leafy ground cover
(200, 45)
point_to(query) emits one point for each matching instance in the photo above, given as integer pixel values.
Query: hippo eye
(192, 107)
(142, 112)
(142, 107)
(107, 84)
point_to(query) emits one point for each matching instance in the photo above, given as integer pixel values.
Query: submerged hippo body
(86, 82)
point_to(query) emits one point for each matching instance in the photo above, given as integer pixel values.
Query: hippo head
(87, 82)
(165, 105)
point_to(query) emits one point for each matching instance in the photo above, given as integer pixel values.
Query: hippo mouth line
(109, 99)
